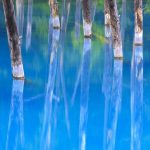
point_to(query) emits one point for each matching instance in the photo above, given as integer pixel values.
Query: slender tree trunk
(20, 16)
(87, 24)
(107, 19)
(13, 39)
(115, 27)
(138, 22)
(77, 18)
(55, 13)
(29, 24)
(107, 12)
(123, 21)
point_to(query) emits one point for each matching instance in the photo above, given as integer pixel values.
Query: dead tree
(55, 13)
(13, 39)
(107, 19)
(20, 16)
(29, 24)
(115, 27)
(138, 22)
(107, 12)
(87, 24)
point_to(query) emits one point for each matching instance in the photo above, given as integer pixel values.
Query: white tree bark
(13, 39)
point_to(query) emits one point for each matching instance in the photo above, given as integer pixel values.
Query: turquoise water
(75, 96)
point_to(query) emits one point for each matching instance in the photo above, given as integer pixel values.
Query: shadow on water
(15, 134)
(136, 96)
(112, 88)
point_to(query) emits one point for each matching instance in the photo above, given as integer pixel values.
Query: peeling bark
(55, 13)
(13, 39)
(115, 27)
(87, 24)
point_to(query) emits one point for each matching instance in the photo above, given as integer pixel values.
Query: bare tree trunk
(13, 39)
(115, 27)
(138, 22)
(107, 12)
(20, 16)
(77, 18)
(107, 19)
(29, 24)
(87, 24)
(55, 13)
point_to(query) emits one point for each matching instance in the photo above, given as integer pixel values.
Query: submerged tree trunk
(13, 39)
(138, 22)
(55, 13)
(115, 27)
(87, 24)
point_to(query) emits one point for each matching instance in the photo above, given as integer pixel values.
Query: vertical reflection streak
(85, 78)
(113, 97)
(107, 80)
(15, 134)
(136, 97)
(48, 118)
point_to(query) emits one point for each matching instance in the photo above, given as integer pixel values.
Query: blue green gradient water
(75, 96)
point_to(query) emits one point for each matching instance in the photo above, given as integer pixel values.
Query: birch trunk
(55, 13)
(87, 24)
(115, 27)
(138, 22)
(13, 39)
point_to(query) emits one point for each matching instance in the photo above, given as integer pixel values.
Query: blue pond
(75, 95)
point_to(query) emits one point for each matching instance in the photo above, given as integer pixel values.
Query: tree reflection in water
(136, 97)
(15, 134)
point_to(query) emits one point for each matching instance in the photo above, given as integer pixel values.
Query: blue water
(75, 95)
